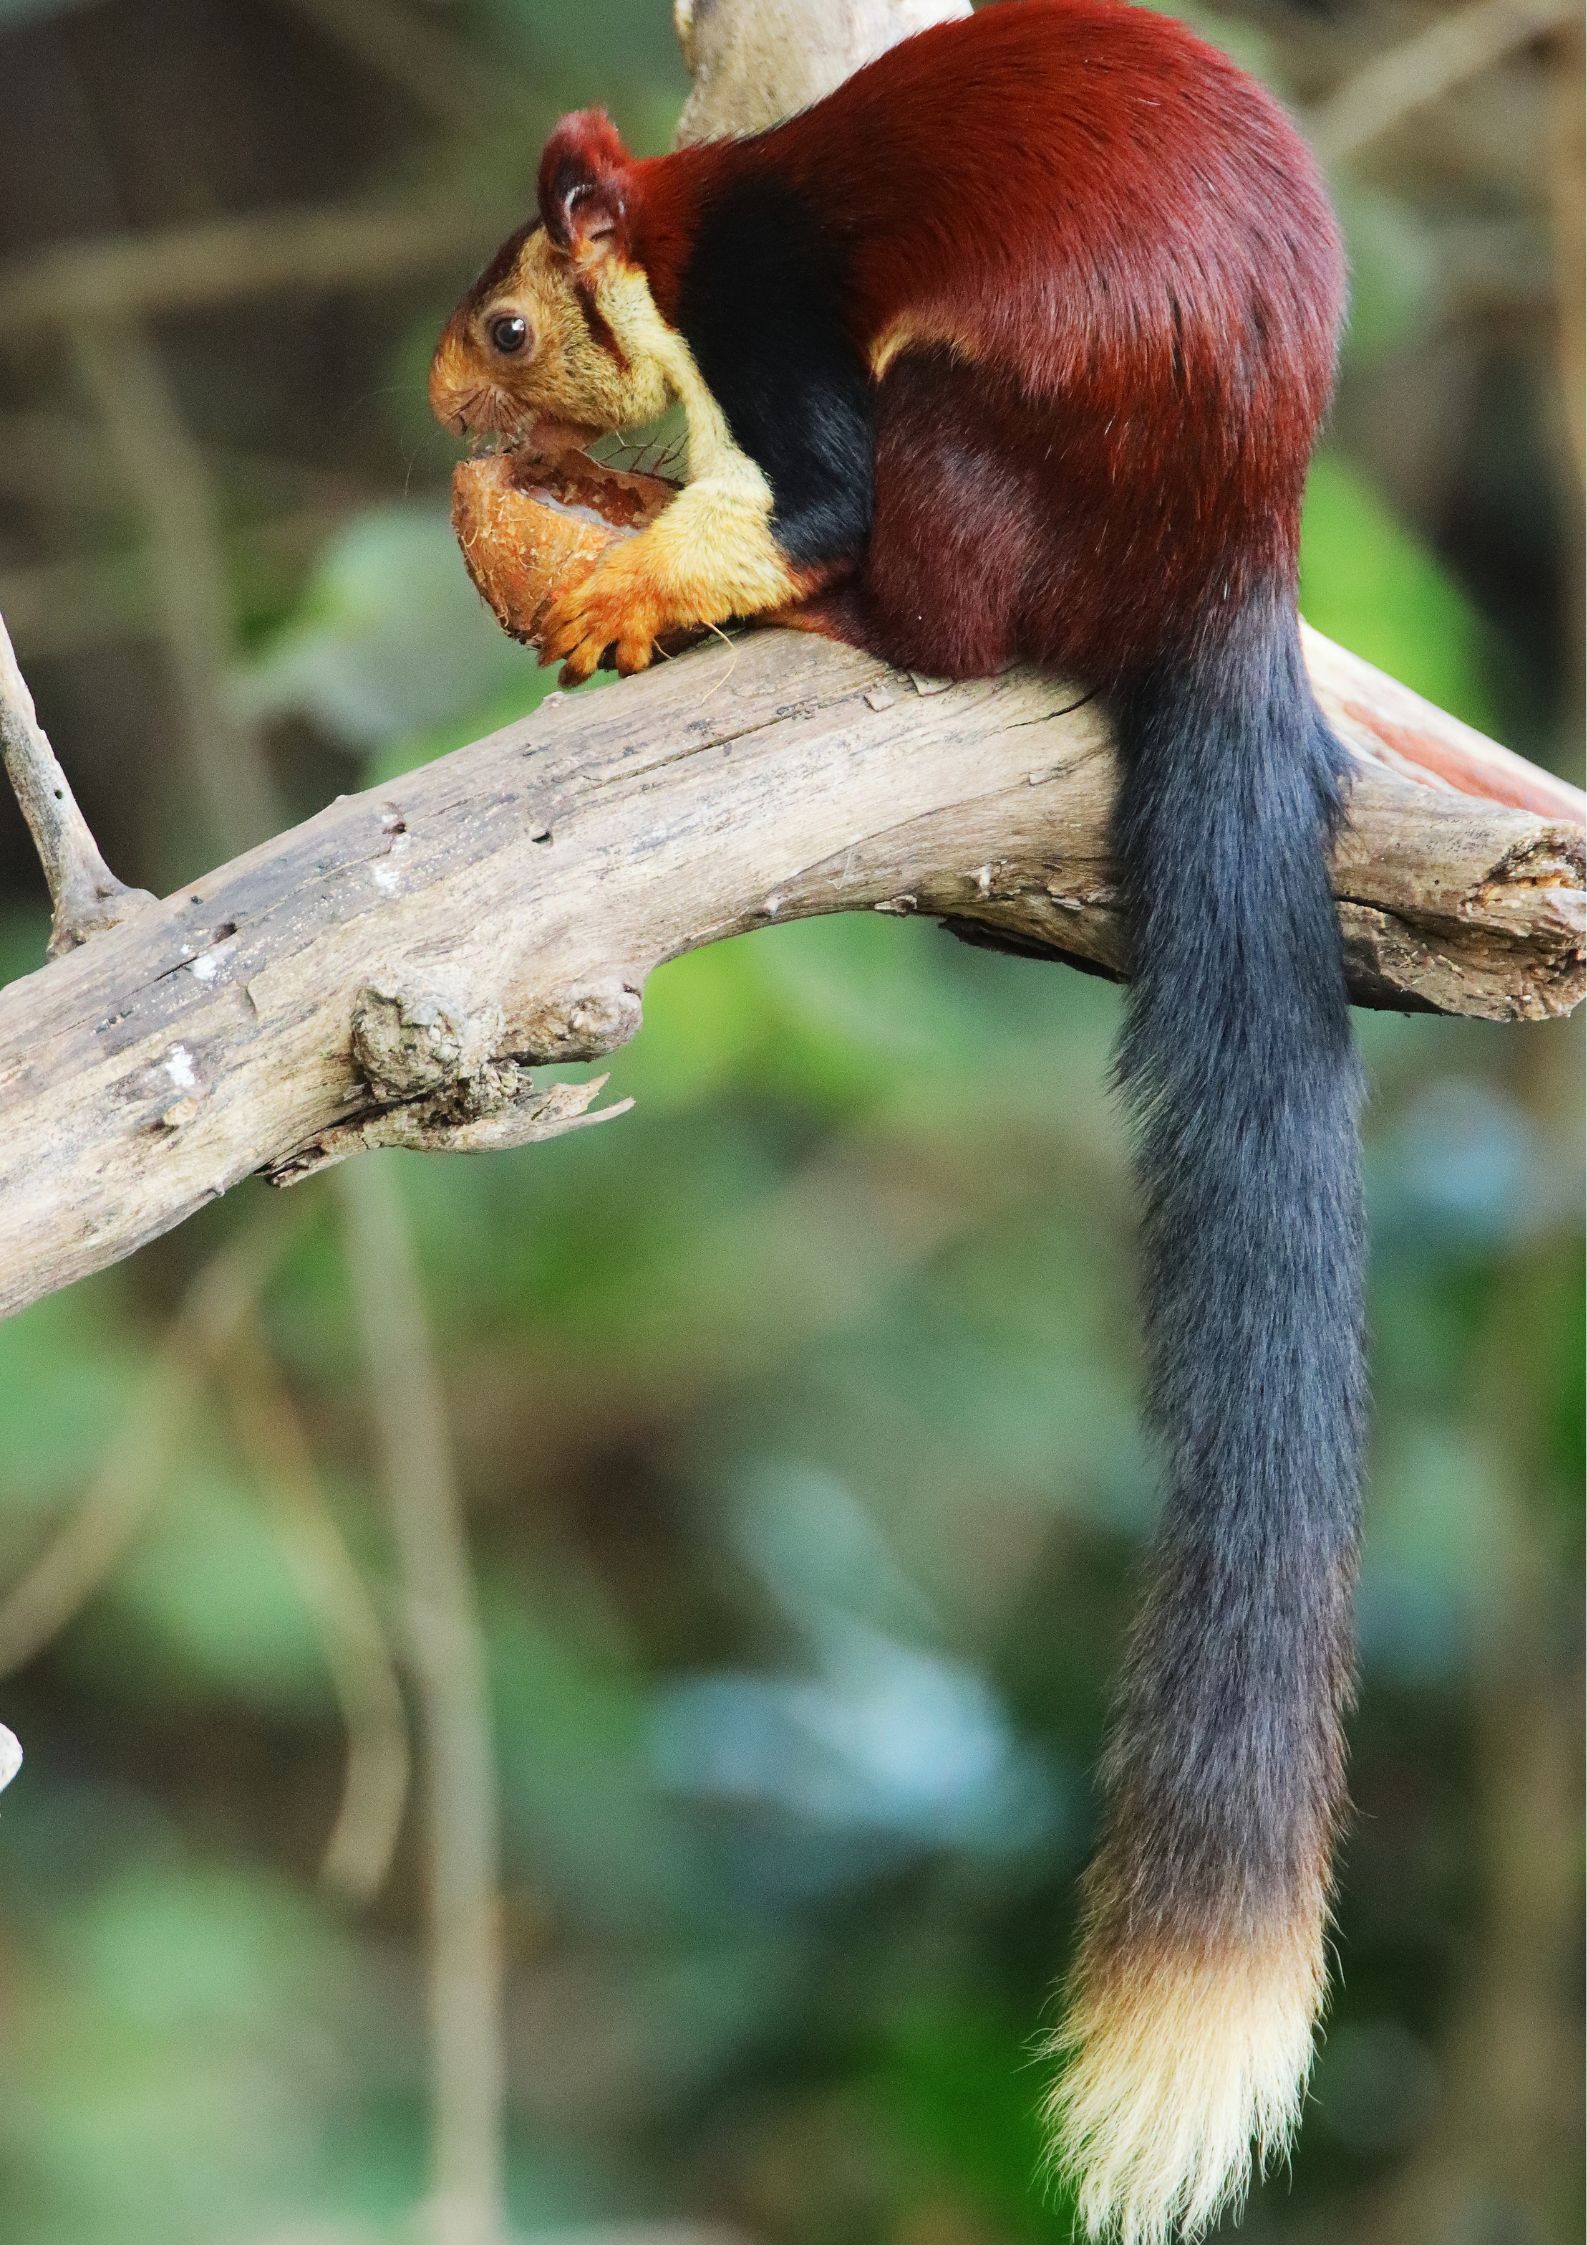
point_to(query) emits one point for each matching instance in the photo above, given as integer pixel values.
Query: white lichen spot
(209, 964)
(384, 878)
(179, 1067)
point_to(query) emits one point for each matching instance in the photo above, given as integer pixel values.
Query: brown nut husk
(530, 527)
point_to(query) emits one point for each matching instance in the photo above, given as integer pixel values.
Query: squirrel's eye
(508, 333)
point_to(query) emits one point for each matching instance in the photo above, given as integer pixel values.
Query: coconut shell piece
(530, 527)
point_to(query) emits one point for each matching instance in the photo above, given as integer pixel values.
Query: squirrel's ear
(583, 181)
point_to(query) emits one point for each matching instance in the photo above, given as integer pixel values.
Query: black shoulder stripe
(761, 308)
(503, 265)
(599, 325)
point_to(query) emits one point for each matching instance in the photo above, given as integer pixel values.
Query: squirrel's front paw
(612, 607)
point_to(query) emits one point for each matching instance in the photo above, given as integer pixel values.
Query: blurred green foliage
(797, 1421)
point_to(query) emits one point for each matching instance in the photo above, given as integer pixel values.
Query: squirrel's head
(548, 346)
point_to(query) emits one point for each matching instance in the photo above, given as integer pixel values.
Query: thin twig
(422, 59)
(85, 896)
(166, 476)
(219, 260)
(1425, 67)
(137, 1460)
(272, 1437)
(1568, 194)
(445, 1652)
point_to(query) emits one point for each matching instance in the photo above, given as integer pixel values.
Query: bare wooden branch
(527, 526)
(85, 896)
(532, 881)
(1388, 724)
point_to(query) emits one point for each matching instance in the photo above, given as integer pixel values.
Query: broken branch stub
(439, 1077)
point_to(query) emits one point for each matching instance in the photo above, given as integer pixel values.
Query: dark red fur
(1151, 329)
(584, 175)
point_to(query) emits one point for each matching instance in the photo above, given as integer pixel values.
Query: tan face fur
(561, 340)
(565, 380)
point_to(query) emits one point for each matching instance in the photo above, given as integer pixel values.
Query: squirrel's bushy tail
(1202, 1969)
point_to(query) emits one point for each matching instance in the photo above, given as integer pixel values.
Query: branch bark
(392, 971)
(753, 61)
(503, 907)
(85, 896)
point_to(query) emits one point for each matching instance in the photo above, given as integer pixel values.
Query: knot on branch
(409, 1043)
(582, 1024)
(440, 1080)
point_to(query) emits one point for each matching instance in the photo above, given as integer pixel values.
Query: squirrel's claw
(611, 608)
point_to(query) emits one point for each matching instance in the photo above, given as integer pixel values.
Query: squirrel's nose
(455, 386)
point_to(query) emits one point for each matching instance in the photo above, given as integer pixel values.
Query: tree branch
(1423, 68)
(85, 896)
(753, 61)
(414, 951)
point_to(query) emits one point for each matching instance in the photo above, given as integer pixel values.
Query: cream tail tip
(1176, 2069)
